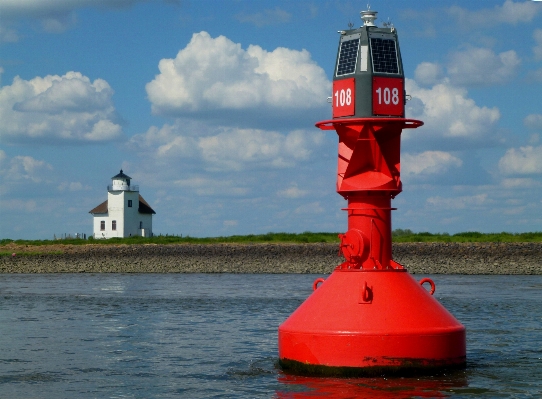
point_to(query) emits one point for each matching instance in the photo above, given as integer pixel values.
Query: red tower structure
(369, 316)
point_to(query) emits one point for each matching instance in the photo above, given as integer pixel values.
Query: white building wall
(115, 205)
(129, 221)
(146, 225)
(98, 217)
(131, 214)
(108, 232)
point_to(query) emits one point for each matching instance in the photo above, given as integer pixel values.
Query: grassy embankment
(399, 235)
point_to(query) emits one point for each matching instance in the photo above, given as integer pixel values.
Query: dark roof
(121, 175)
(102, 208)
(144, 207)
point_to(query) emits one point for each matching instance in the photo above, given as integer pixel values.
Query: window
(102, 225)
(140, 225)
(114, 225)
(129, 203)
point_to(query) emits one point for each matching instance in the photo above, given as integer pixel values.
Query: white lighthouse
(125, 213)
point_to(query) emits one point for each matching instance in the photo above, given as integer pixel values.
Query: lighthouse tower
(369, 316)
(125, 213)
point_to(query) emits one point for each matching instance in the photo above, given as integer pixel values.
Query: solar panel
(384, 55)
(347, 57)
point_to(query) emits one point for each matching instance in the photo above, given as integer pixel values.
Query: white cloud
(226, 148)
(428, 73)
(533, 121)
(311, 208)
(103, 130)
(169, 141)
(292, 192)
(204, 186)
(536, 75)
(534, 138)
(537, 50)
(474, 66)
(55, 15)
(73, 186)
(509, 13)
(23, 168)
(18, 205)
(448, 112)
(425, 19)
(463, 202)
(67, 108)
(523, 160)
(8, 35)
(519, 182)
(428, 163)
(232, 149)
(482, 67)
(217, 74)
(267, 17)
(59, 23)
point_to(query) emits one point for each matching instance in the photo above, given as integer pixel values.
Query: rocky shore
(418, 258)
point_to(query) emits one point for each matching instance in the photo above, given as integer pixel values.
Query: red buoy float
(369, 316)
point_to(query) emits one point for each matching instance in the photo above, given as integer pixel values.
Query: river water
(215, 336)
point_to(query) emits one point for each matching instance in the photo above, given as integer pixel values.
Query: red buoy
(369, 316)
(370, 322)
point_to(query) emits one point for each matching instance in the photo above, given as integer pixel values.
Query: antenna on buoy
(368, 17)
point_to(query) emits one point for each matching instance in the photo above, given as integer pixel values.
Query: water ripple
(204, 336)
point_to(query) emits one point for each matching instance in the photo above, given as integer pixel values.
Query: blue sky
(210, 107)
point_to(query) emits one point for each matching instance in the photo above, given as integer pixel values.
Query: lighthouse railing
(122, 188)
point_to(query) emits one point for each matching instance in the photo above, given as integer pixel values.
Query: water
(215, 336)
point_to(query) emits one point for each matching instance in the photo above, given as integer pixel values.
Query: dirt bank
(424, 258)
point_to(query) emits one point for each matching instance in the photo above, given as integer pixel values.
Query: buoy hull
(370, 322)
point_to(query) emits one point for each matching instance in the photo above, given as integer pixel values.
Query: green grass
(306, 237)
(398, 235)
(30, 253)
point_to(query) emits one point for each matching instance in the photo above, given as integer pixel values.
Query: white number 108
(388, 96)
(343, 97)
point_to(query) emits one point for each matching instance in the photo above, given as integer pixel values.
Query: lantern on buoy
(370, 316)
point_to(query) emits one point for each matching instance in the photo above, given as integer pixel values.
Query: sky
(210, 107)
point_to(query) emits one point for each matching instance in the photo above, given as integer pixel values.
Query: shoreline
(318, 258)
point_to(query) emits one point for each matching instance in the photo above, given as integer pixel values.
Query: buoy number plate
(388, 96)
(343, 99)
